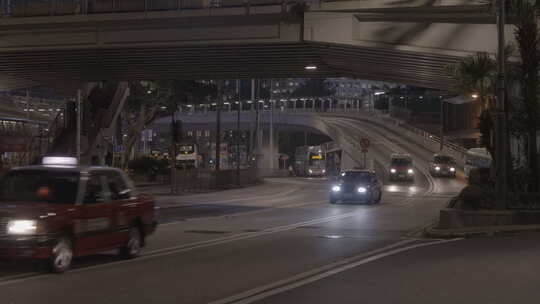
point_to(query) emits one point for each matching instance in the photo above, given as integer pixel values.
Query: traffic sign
(364, 143)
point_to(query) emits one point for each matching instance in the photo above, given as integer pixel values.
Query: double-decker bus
(187, 156)
(310, 161)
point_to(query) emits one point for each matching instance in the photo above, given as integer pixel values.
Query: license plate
(401, 175)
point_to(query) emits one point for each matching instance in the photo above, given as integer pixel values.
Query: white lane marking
(239, 214)
(323, 272)
(269, 196)
(193, 246)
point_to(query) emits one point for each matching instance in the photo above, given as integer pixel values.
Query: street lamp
(311, 67)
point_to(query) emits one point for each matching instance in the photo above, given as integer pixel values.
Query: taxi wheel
(132, 248)
(62, 256)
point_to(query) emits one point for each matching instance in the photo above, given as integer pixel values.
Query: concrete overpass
(398, 41)
(324, 122)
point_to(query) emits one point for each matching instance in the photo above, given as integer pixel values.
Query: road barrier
(202, 180)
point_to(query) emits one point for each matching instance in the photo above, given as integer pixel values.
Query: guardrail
(382, 115)
(35, 8)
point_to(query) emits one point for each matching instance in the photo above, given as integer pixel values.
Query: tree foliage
(150, 100)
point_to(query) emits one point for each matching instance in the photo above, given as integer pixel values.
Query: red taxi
(58, 211)
(401, 167)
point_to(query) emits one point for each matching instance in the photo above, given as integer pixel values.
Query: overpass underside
(274, 60)
(229, 43)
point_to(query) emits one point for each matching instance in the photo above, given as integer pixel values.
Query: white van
(476, 158)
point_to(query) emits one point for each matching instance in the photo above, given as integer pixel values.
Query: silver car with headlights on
(356, 186)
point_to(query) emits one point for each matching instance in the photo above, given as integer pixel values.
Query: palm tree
(474, 74)
(528, 39)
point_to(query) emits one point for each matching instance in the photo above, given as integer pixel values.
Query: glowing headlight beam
(24, 227)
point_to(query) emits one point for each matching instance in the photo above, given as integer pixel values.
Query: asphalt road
(275, 242)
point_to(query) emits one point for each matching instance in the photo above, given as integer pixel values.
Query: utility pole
(238, 136)
(79, 126)
(271, 139)
(218, 127)
(252, 122)
(442, 125)
(501, 184)
(174, 137)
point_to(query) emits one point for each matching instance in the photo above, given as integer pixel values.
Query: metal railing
(459, 151)
(35, 8)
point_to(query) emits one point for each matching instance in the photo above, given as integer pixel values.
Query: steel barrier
(35, 8)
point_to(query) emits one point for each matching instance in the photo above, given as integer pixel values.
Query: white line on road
(193, 246)
(269, 196)
(323, 272)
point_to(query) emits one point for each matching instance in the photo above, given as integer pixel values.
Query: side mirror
(124, 194)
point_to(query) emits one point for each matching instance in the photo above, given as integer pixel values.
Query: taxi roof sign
(59, 161)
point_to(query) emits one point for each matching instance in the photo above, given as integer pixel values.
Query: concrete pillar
(347, 162)
(313, 105)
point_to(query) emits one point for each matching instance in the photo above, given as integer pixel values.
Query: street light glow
(379, 93)
(474, 96)
(310, 67)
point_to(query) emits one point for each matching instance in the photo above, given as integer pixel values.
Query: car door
(123, 206)
(93, 227)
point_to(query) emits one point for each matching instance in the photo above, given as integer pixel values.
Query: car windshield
(356, 177)
(441, 159)
(39, 186)
(401, 162)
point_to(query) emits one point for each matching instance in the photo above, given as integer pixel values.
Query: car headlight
(437, 168)
(336, 188)
(362, 190)
(323, 171)
(410, 171)
(310, 171)
(22, 227)
(393, 170)
(452, 169)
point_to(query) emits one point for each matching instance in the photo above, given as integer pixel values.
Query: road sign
(364, 143)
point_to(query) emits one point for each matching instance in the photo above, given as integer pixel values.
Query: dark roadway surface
(256, 244)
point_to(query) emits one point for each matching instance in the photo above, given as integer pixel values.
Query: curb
(477, 231)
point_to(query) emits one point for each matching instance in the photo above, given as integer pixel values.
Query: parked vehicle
(476, 158)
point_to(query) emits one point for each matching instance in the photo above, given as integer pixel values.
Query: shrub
(148, 166)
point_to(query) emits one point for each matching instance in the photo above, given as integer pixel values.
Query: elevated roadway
(398, 41)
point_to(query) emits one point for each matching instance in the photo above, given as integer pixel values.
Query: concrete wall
(451, 39)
